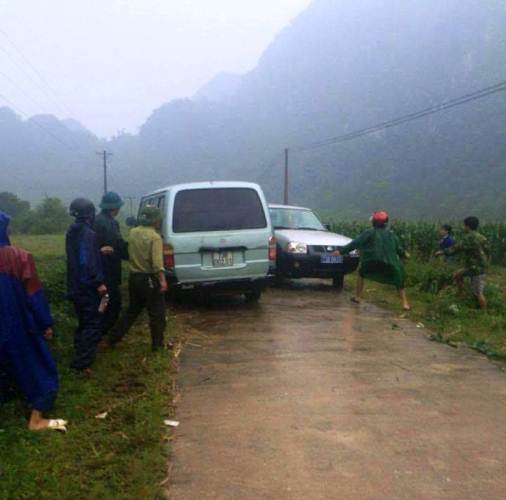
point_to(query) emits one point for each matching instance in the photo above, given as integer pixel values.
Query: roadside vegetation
(50, 216)
(432, 293)
(123, 455)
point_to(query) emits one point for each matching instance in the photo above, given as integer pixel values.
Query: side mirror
(131, 221)
(327, 226)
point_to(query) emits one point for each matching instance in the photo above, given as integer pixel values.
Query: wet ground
(307, 396)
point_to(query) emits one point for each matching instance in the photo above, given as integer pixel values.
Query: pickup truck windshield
(289, 218)
(217, 209)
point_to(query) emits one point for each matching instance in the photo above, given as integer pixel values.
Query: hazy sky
(113, 61)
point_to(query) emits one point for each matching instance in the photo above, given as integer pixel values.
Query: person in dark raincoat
(25, 324)
(380, 258)
(113, 249)
(85, 283)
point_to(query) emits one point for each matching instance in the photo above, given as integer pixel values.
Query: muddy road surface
(307, 396)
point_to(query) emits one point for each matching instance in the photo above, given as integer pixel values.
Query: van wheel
(338, 282)
(253, 296)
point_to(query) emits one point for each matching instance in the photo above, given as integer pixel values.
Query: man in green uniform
(147, 283)
(380, 258)
(113, 249)
(474, 249)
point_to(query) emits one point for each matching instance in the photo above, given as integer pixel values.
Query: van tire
(253, 296)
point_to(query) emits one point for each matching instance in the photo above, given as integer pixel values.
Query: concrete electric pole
(104, 154)
(285, 198)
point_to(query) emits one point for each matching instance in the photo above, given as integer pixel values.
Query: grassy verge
(121, 456)
(452, 319)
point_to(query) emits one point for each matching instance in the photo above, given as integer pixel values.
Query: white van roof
(204, 185)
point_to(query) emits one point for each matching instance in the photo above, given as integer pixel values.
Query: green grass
(123, 456)
(452, 319)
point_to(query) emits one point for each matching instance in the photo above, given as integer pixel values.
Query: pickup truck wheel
(253, 296)
(338, 282)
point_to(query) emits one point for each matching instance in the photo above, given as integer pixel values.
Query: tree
(13, 205)
(50, 217)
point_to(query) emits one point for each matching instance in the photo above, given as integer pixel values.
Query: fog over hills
(340, 66)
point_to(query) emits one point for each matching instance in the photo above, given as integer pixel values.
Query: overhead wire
(479, 94)
(62, 106)
(42, 127)
(47, 89)
(41, 86)
(22, 91)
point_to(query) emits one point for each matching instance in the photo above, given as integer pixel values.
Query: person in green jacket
(474, 249)
(380, 258)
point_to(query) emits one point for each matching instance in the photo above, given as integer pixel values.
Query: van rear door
(220, 234)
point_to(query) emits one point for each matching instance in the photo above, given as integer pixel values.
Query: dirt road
(307, 396)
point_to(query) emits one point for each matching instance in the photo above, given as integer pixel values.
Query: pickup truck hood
(323, 238)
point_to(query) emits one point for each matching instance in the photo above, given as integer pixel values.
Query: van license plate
(223, 259)
(331, 259)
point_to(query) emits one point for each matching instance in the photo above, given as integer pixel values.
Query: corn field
(421, 238)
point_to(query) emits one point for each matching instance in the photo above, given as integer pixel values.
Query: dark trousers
(111, 315)
(89, 329)
(144, 292)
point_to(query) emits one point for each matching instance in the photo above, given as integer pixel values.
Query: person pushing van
(147, 283)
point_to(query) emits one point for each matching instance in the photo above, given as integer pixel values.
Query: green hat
(111, 201)
(150, 216)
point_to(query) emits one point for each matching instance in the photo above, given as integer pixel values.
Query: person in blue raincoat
(85, 283)
(25, 325)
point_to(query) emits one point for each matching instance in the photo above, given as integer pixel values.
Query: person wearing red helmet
(380, 257)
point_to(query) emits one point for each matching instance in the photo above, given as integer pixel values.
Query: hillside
(340, 66)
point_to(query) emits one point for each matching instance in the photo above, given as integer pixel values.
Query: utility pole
(285, 198)
(104, 154)
(131, 203)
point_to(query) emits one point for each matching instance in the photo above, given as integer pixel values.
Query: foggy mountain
(340, 66)
(222, 87)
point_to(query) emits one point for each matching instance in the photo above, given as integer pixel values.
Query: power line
(452, 103)
(20, 89)
(52, 95)
(45, 129)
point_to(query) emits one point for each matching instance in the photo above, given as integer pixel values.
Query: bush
(49, 217)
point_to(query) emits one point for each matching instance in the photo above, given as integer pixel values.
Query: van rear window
(217, 209)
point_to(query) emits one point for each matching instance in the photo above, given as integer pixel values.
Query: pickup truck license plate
(223, 259)
(331, 259)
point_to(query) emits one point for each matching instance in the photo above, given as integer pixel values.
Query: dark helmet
(111, 201)
(82, 208)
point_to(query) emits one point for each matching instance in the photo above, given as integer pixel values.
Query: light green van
(217, 237)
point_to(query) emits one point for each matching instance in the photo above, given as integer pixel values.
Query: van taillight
(272, 248)
(168, 256)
